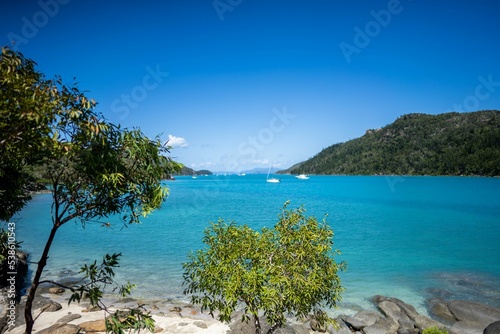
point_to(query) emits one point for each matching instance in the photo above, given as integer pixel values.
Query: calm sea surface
(408, 237)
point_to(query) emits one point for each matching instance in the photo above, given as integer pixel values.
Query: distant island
(189, 171)
(416, 144)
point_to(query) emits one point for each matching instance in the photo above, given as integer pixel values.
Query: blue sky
(238, 84)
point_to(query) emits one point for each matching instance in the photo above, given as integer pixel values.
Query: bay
(407, 237)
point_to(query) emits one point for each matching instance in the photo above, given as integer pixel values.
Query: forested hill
(417, 144)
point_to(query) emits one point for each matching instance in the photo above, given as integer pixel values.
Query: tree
(27, 110)
(95, 169)
(288, 269)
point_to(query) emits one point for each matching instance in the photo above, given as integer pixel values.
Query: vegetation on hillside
(417, 144)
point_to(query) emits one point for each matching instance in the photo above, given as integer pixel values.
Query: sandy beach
(169, 316)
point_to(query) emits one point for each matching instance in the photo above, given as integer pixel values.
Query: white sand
(188, 320)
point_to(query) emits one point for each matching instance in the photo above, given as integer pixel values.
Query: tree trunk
(28, 316)
(256, 321)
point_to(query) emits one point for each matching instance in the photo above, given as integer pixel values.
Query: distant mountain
(189, 171)
(262, 170)
(417, 144)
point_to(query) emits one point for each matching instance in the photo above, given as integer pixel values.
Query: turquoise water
(406, 237)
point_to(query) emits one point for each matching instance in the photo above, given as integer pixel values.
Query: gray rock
(51, 307)
(408, 309)
(408, 331)
(382, 326)
(68, 318)
(341, 328)
(60, 329)
(467, 327)
(361, 319)
(391, 310)
(469, 311)
(440, 309)
(200, 324)
(493, 328)
(315, 326)
(423, 322)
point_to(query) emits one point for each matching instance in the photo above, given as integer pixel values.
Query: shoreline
(176, 316)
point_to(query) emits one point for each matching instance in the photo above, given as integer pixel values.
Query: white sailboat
(302, 177)
(272, 179)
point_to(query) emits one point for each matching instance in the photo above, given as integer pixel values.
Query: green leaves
(288, 269)
(99, 278)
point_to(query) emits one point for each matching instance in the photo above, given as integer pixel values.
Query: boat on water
(302, 177)
(272, 179)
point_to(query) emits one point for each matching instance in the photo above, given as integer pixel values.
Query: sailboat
(302, 177)
(272, 179)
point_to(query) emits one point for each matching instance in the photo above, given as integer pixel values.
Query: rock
(467, 327)
(56, 290)
(390, 309)
(342, 328)
(408, 309)
(361, 319)
(93, 326)
(60, 329)
(68, 318)
(200, 324)
(158, 329)
(315, 326)
(423, 322)
(51, 307)
(440, 309)
(382, 326)
(93, 308)
(470, 311)
(493, 328)
(408, 331)
(176, 309)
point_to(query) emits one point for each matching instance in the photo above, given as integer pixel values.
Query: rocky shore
(391, 316)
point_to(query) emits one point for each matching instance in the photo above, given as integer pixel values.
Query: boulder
(361, 319)
(440, 309)
(68, 318)
(390, 309)
(382, 326)
(493, 328)
(423, 322)
(60, 329)
(475, 312)
(467, 327)
(56, 290)
(342, 328)
(408, 309)
(315, 326)
(93, 326)
(51, 307)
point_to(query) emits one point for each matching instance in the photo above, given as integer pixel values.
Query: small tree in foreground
(286, 270)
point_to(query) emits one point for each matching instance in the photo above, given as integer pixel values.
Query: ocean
(413, 238)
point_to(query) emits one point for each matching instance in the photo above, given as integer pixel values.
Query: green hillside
(417, 144)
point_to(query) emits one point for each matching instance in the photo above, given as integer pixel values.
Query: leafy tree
(95, 169)
(286, 270)
(27, 109)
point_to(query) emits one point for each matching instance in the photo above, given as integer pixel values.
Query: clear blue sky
(237, 84)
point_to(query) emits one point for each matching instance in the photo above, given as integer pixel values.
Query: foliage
(98, 278)
(94, 168)
(417, 144)
(286, 270)
(27, 109)
(434, 330)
